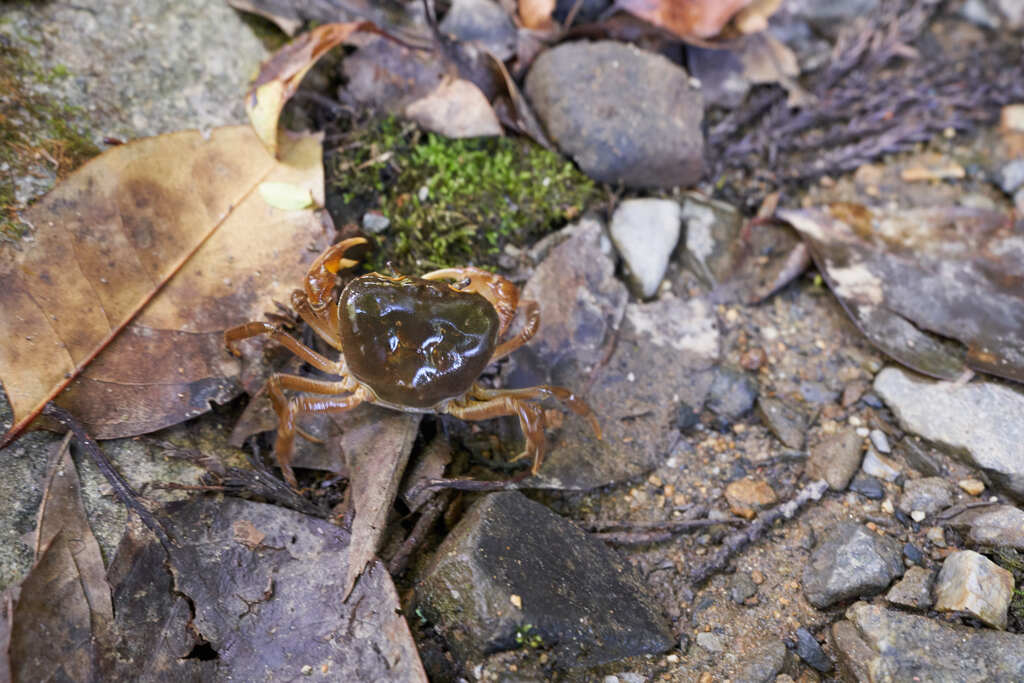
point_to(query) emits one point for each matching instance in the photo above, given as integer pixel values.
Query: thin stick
(758, 528)
(122, 489)
(432, 511)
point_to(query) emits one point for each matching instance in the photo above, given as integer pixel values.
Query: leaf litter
(139, 261)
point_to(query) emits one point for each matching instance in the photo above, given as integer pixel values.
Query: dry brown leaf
(64, 608)
(687, 19)
(536, 14)
(280, 75)
(455, 109)
(375, 471)
(167, 233)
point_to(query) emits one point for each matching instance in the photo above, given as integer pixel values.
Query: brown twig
(431, 512)
(122, 489)
(758, 528)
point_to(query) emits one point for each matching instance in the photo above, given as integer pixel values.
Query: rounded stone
(623, 114)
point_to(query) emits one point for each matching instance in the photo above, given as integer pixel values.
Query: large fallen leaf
(252, 593)
(688, 19)
(167, 233)
(937, 289)
(64, 608)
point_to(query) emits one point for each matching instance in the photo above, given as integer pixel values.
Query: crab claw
(501, 293)
(321, 277)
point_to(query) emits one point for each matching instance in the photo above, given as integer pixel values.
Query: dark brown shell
(415, 342)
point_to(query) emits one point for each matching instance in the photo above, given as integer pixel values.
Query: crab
(413, 344)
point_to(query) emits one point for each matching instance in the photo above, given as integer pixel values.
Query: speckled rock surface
(970, 582)
(983, 420)
(889, 645)
(850, 561)
(512, 562)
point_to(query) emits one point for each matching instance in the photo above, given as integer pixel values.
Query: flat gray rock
(982, 421)
(645, 232)
(888, 645)
(662, 358)
(849, 562)
(784, 421)
(623, 114)
(996, 525)
(711, 230)
(836, 458)
(914, 590)
(928, 495)
(482, 21)
(512, 562)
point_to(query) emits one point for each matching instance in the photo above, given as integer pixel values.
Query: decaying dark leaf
(64, 610)
(376, 461)
(167, 234)
(937, 289)
(276, 611)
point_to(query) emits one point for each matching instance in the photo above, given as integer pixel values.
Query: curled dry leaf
(937, 289)
(688, 19)
(455, 109)
(280, 75)
(64, 608)
(138, 263)
(536, 14)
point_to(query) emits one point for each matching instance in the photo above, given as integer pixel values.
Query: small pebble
(810, 651)
(753, 359)
(374, 222)
(972, 487)
(918, 515)
(867, 486)
(879, 466)
(887, 506)
(911, 552)
(937, 535)
(880, 441)
(516, 601)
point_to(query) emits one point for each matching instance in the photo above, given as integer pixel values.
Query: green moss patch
(450, 202)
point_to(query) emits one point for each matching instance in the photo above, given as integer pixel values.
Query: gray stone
(970, 582)
(836, 458)
(645, 232)
(880, 441)
(850, 561)
(623, 114)
(145, 68)
(764, 664)
(375, 222)
(732, 395)
(982, 421)
(784, 421)
(663, 357)
(978, 12)
(997, 525)
(1011, 176)
(711, 230)
(511, 562)
(710, 641)
(928, 494)
(482, 21)
(720, 72)
(1013, 12)
(741, 587)
(808, 649)
(914, 589)
(867, 486)
(881, 644)
(879, 466)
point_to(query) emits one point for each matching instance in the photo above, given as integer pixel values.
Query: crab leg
(289, 411)
(532, 313)
(325, 327)
(531, 421)
(254, 329)
(540, 392)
